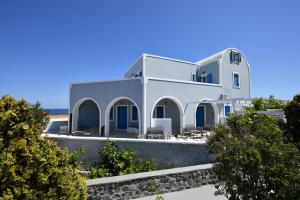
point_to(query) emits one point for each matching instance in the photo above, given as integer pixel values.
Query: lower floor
(123, 117)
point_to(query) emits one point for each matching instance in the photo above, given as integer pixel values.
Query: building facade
(163, 92)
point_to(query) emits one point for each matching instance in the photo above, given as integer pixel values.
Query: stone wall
(164, 152)
(150, 183)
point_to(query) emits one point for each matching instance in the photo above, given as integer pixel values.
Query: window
(193, 77)
(235, 57)
(236, 80)
(134, 113)
(199, 79)
(227, 110)
(111, 114)
(205, 77)
(160, 111)
(140, 73)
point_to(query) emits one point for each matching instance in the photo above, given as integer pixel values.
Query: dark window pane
(159, 112)
(134, 113)
(111, 114)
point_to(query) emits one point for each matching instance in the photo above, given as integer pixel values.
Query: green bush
(159, 197)
(76, 158)
(140, 166)
(292, 112)
(253, 161)
(32, 166)
(270, 103)
(115, 161)
(98, 172)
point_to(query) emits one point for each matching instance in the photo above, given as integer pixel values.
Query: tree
(252, 160)
(32, 166)
(292, 112)
(270, 103)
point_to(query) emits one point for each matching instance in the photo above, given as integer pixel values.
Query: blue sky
(46, 45)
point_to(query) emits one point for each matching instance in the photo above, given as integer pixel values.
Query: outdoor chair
(192, 131)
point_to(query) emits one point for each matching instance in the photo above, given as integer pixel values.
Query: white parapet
(164, 123)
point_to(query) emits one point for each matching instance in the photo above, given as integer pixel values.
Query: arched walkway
(206, 114)
(87, 116)
(169, 107)
(122, 115)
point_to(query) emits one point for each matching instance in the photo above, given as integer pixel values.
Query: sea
(57, 111)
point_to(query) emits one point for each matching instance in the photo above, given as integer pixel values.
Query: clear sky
(46, 45)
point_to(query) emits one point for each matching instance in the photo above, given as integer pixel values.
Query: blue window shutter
(226, 110)
(209, 78)
(240, 57)
(134, 113)
(231, 56)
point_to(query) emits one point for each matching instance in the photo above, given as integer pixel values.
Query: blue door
(200, 116)
(122, 117)
(227, 110)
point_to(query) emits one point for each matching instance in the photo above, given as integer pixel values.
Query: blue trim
(200, 116)
(227, 110)
(236, 80)
(209, 78)
(122, 117)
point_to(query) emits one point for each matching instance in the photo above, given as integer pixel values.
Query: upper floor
(228, 68)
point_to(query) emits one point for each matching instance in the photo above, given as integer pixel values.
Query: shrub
(252, 160)
(76, 158)
(140, 166)
(121, 162)
(159, 197)
(114, 159)
(292, 112)
(98, 172)
(270, 103)
(31, 166)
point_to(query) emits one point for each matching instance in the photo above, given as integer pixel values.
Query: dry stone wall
(150, 183)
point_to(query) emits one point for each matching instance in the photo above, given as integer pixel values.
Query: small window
(235, 57)
(111, 114)
(134, 113)
(140, 73)
(227, 110)
(204, 79)
(160, 111)
(236, 80)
